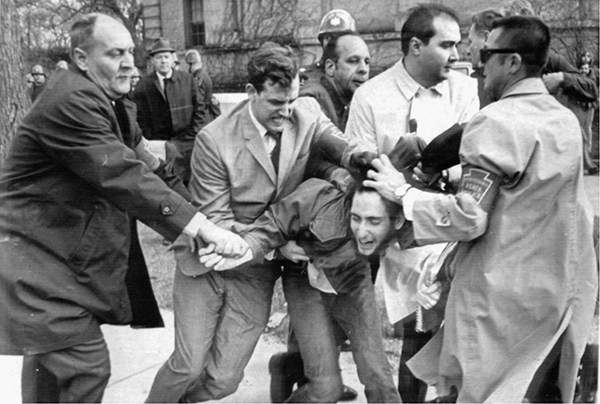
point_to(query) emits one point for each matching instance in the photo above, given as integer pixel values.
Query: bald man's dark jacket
(68, 189)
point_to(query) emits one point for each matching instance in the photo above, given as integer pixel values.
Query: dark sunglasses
(485, 54)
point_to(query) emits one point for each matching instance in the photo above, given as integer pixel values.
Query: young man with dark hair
(242, 163)
(523, 276)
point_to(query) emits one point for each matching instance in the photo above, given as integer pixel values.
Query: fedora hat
(160, 45)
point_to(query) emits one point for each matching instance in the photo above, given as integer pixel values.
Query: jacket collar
(532, 85)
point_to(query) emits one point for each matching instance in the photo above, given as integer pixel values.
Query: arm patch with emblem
(481, 184)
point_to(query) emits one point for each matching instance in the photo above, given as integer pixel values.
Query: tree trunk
(14, 101)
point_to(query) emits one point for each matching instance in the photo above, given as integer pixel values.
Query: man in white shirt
(423, 87)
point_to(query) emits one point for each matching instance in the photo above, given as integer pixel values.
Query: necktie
(276, 150)
(165, 81)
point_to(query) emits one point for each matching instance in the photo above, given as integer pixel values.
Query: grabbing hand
(221, 263)
(386, 179)
(341, 178)
(428, 296)
(424, 179)
(225, 242)
(292, 251)
(553, 81)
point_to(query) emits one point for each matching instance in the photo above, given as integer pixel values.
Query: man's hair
(529, 37)
(82, 31)
(483, 21)
(420, 23)
(331, 52)
(393, 209)
(274, 63)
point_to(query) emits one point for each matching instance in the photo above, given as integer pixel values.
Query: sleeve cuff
(193, 227)
(408, 203)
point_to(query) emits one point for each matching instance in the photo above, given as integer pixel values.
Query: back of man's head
(529, 37)
(274, 63)
(419, 23)
(482, 22)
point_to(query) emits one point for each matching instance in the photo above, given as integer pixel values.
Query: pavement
(136, 356)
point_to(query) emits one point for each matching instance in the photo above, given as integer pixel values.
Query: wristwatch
(400, 192)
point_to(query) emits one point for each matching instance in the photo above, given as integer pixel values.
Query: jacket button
(166, 209)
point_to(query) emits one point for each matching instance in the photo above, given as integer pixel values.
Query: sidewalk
(136, 356)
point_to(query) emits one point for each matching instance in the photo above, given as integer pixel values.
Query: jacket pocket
(104, 238)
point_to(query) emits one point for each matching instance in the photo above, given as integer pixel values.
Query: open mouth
(366, 245)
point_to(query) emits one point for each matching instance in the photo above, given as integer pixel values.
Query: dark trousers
(411, 389)
(313, 315)
(74, 375)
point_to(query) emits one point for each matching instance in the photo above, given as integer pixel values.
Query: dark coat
(205, 90)
(336, 109)
(67, 190)
(331, 101)
(179, 114)
(578, 86)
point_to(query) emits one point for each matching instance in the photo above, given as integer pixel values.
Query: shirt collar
(168, 76)
(410, 87)
(262, 131)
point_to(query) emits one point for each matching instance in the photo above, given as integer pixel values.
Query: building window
(197, 31)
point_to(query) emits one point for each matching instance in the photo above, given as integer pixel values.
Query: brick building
(226, 30)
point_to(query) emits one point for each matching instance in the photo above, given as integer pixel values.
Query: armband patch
(477, 182)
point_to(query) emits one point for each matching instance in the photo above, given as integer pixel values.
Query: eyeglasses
(486, 53)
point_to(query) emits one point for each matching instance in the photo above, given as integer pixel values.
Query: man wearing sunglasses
(523, 277)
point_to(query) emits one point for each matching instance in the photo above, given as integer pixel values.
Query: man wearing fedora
(169, 106)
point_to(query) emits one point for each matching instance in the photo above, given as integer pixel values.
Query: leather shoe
(349, 394)
(286, 370)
